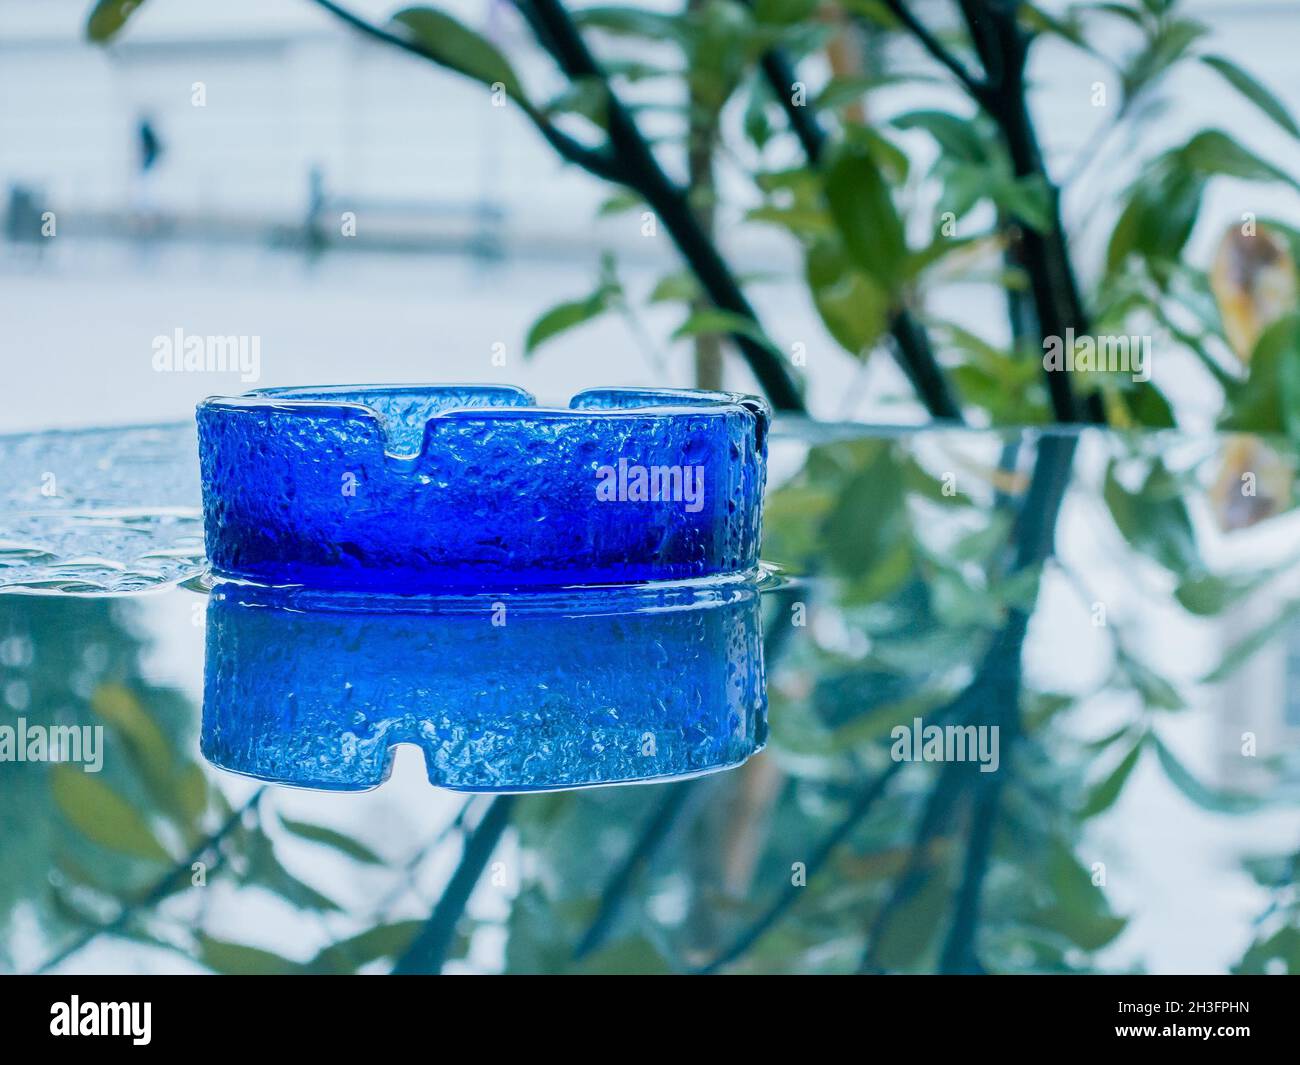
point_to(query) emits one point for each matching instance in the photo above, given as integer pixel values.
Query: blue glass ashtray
(430, 488)
(525, 692)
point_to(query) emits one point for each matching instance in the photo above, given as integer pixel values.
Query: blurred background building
(266, 122)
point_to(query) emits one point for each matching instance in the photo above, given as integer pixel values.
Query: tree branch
(592, 160)
(912, 348)
(556, 32)
(978, 88)
(629, 161)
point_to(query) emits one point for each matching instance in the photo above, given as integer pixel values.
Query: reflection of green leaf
(330, 838)
(869, 520)
(382, 941)
(240, 960)
(630, 955)
(102, 815)
(924, 484)
(1282, 946)
(1154, 519)
(1107, 790)
(1204, 797)
(1078, 910)
(911, 927)
(1206, 594)
(150, 752)
(1241, 651)
(459, 47)
(1267, 401)
(264, 868)
(1156, 692)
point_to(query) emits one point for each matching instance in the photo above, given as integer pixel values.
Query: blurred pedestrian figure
(149, 149)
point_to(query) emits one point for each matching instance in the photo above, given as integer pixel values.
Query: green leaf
(680, 287)
(1213, 152)
(864, 213)
(1026, 199)
(804, 221)
(1253, 91)
(107, 18)
(631, 22)
(102, 815)
(1204, 797)
(1170, 43)
(1107, 790)
(239, 960)
(330, 838)
(566, 316)
(758, 128)
(457, 46)
(853, 308)
(1159, 217)
(587, 97)
(723, 323)
(620, 203)
(783, 12)
(955, 136)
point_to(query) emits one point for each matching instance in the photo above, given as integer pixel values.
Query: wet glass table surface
(1032, 703)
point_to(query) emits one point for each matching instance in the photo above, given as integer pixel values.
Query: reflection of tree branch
(1034, 540)
(456, 824)
(428, 950)
(752, 933)
(657, 829)
(161, 887)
